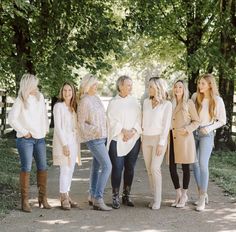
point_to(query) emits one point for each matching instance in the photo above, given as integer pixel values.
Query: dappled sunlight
(80, 179)
(53, 222)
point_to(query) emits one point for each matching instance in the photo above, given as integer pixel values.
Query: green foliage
(51, 38)
(223, 170)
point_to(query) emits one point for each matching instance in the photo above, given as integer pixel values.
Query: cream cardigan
(65, 128)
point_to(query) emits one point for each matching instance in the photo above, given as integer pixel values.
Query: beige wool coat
(184, 145)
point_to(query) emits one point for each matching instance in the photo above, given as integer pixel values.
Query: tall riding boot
(126, 196)
(24, 184)
(42, 187)
(115, 198)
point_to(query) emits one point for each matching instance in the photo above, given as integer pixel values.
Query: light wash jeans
(204, 146)
(29, 148)
(98, 180)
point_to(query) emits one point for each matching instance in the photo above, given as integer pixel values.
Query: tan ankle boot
(202, 202)
(65, 203)
(183, 199)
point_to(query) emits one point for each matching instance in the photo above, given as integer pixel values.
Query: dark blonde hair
(73, 101)
(210, 79)
(160, 86)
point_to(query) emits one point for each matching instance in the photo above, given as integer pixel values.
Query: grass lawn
(9, 173)
(223, 170)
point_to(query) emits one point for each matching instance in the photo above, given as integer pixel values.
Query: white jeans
(67, 170)
(153, 166)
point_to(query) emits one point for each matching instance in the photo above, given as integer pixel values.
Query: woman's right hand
(28, 135)
(66, 150)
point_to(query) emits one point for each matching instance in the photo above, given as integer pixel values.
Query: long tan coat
(184, 145)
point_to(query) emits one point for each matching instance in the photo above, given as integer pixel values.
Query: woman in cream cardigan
(124, 128)
(157, 113)
(182, 148)
(66, 150)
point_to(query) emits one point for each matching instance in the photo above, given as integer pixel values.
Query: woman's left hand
(160, 149)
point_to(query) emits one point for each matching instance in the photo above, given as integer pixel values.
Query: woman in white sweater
(124, 129)
(211, 110)
(28, 117)
(66, 150)
(157, 113)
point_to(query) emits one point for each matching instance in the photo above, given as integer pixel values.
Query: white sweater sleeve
(138, 123)
(13, 117)
(58, 124)
(166, 123)
(220, 119)
(114, 125)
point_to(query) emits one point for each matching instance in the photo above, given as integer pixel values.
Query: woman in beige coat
(66, 150)
(182, 145)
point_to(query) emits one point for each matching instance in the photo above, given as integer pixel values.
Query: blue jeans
(124, 162)
(204, 146)
(29, 148)
(98, 180)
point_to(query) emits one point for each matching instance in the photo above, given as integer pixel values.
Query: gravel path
(220, 214)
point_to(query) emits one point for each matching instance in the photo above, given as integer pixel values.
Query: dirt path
(220, 215)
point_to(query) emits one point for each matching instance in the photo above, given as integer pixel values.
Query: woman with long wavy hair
(211, 110)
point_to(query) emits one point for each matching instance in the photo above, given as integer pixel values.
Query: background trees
(56, 38)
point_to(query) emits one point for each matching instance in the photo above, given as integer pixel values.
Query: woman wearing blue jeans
(28, 117)
(93, 131)
(211, 110)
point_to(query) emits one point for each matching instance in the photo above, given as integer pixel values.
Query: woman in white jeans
(157, 112)
(66, 150)
(211, 110)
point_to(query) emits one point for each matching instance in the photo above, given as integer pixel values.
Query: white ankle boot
(183, 199)
(202, 202)
(177, 198)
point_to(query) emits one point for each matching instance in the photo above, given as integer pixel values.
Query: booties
(177, 198)
(115, 198)
(126, 197)
(99, 204)
(183, 199)
(202, 202)
(65, 203)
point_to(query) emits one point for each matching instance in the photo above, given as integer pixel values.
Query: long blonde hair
(184, 99)
(209, 78)
(27, 84)
(160, 87)
(87, 81)
(73, 101)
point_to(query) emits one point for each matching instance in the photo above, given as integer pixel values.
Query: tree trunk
(22, 42)
(226, 79)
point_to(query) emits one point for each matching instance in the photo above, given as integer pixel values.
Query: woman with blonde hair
(66, 145)
(182, 148)
(211, 110)
(93, 131)
(157, 111)
(29, 119)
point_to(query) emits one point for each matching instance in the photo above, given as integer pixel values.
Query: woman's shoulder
(58, 105)
(194, 97)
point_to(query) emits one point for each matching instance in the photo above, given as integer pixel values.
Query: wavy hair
(87, 81)
(160, 86)
(28, 83)
(73, 101)
(210, 79)
(184, 100)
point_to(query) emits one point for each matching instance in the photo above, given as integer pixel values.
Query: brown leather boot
(24, 184)
(42, 187)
